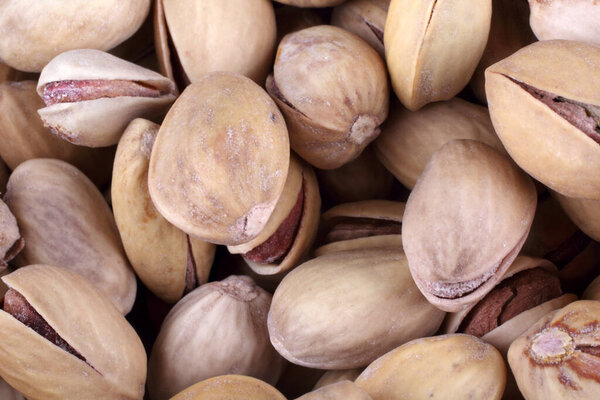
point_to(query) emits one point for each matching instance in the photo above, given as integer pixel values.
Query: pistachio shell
(438, 367)
(158, 251)
(115, 360)
(65, 221)
(465, 222)
(575, 20)
(230, 387)
(344, 390)
(422, 40)
(338, 375)
(10, 238)
(343, 310)
(223, 128)
(543, 143)
(584, 213)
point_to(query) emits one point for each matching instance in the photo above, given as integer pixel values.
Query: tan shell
(438, 367)
(343, 310)
(544, 144)
(311, 3)
(65, 221)
(230, 387)
(344, 390)
(332, 88)
(570, 20)
(408, 139)
(551, 360)
(159, 252)
(337, 375)
(24, 137)
(223, 128)
(465, 222)
(11, 242)
(208, 36)
(32, 36)
(218, 328)
(100, 122)
(115, 363)
(584, 213)
(422, 40)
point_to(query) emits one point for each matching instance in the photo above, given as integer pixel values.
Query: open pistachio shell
(223, 128)
(110, 360)
(65, 221)
(547, 116)
(230, 387)
(465, 222)
(584, 213)
(11, 242)
(422, 40)
(169, 262)
(345, 309)
(344, 390)
(575, 20)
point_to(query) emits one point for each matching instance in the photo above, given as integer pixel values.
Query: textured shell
(544, 144)
(227, 387)
(32, 36)
(233, 338)
(584, 213)
(65, 221)
(223, 128)
(115, 358)
(465, 221)
(344, 390)
(437, 367)
(157, 250)
(408, 139)
(343, 310)
(422, 40)
(570, 20)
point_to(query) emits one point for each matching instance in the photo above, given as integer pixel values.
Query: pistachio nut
(91, 96)
(23, 135)
(338, 375)
(65, 221)
(197, 37)
(343, 310)
(332, 89)
(230, 387)
(11, 242)
(168, 261)
(570, 20)
(291, 19)
(364, 18)
(344, 390)
(584, 213)
(408, 139)
(223, 128)
(547, 116)
(361, 225)
(558, 357)
(311, 3)
(61, 338)
(422, 40)
(437, 367)
(481, 206)
(233, 338)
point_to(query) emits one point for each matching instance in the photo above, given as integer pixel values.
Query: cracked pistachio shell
(222, 129)
(437, 367)
(575, 20)
(422, 42)
(409, 138)
(207, 36)
(115, 360)
(465, 222)
(557, 358)
(65, 221)
(218, 328)
(337, 375)
(345, 309)
(10, 238)
(344, 390)
(333, 91)
(230, 387)
(99, 122)
(584, 213)
(160, 253)
(32, 36)
(546, 145)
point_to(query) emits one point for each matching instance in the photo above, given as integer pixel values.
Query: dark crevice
(568, 250)
(376, 31)
(274, 91)
(72, 91)
(191, 278)
(348, 228)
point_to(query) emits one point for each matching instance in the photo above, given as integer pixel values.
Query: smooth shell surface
(570, 20)
(364, 18)
(228, 387)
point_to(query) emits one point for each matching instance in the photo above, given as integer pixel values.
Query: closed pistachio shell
(338, 375)
(584, 213)
(344, 390)
(230, 387)
(11, 242)
(570, 20)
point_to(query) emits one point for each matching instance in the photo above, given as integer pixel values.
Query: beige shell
(23, 136)
(159, 252)
(345, 309)
(11, 242)
(544, 144)
(337, 375)
(223, 128)
(218, 328)
(465, 222)
(33, 35)
(439, 367)
(423, 41)
(65, 221)
(584, 213)
(100, 122)
(205, 36)
(332, 88)
(115, 360)
(311, 3)
(344, 390)
(408, 139)
(230, 387)
(575, 20)
(557, 357)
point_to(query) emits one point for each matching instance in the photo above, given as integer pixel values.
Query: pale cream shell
(575, 20)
